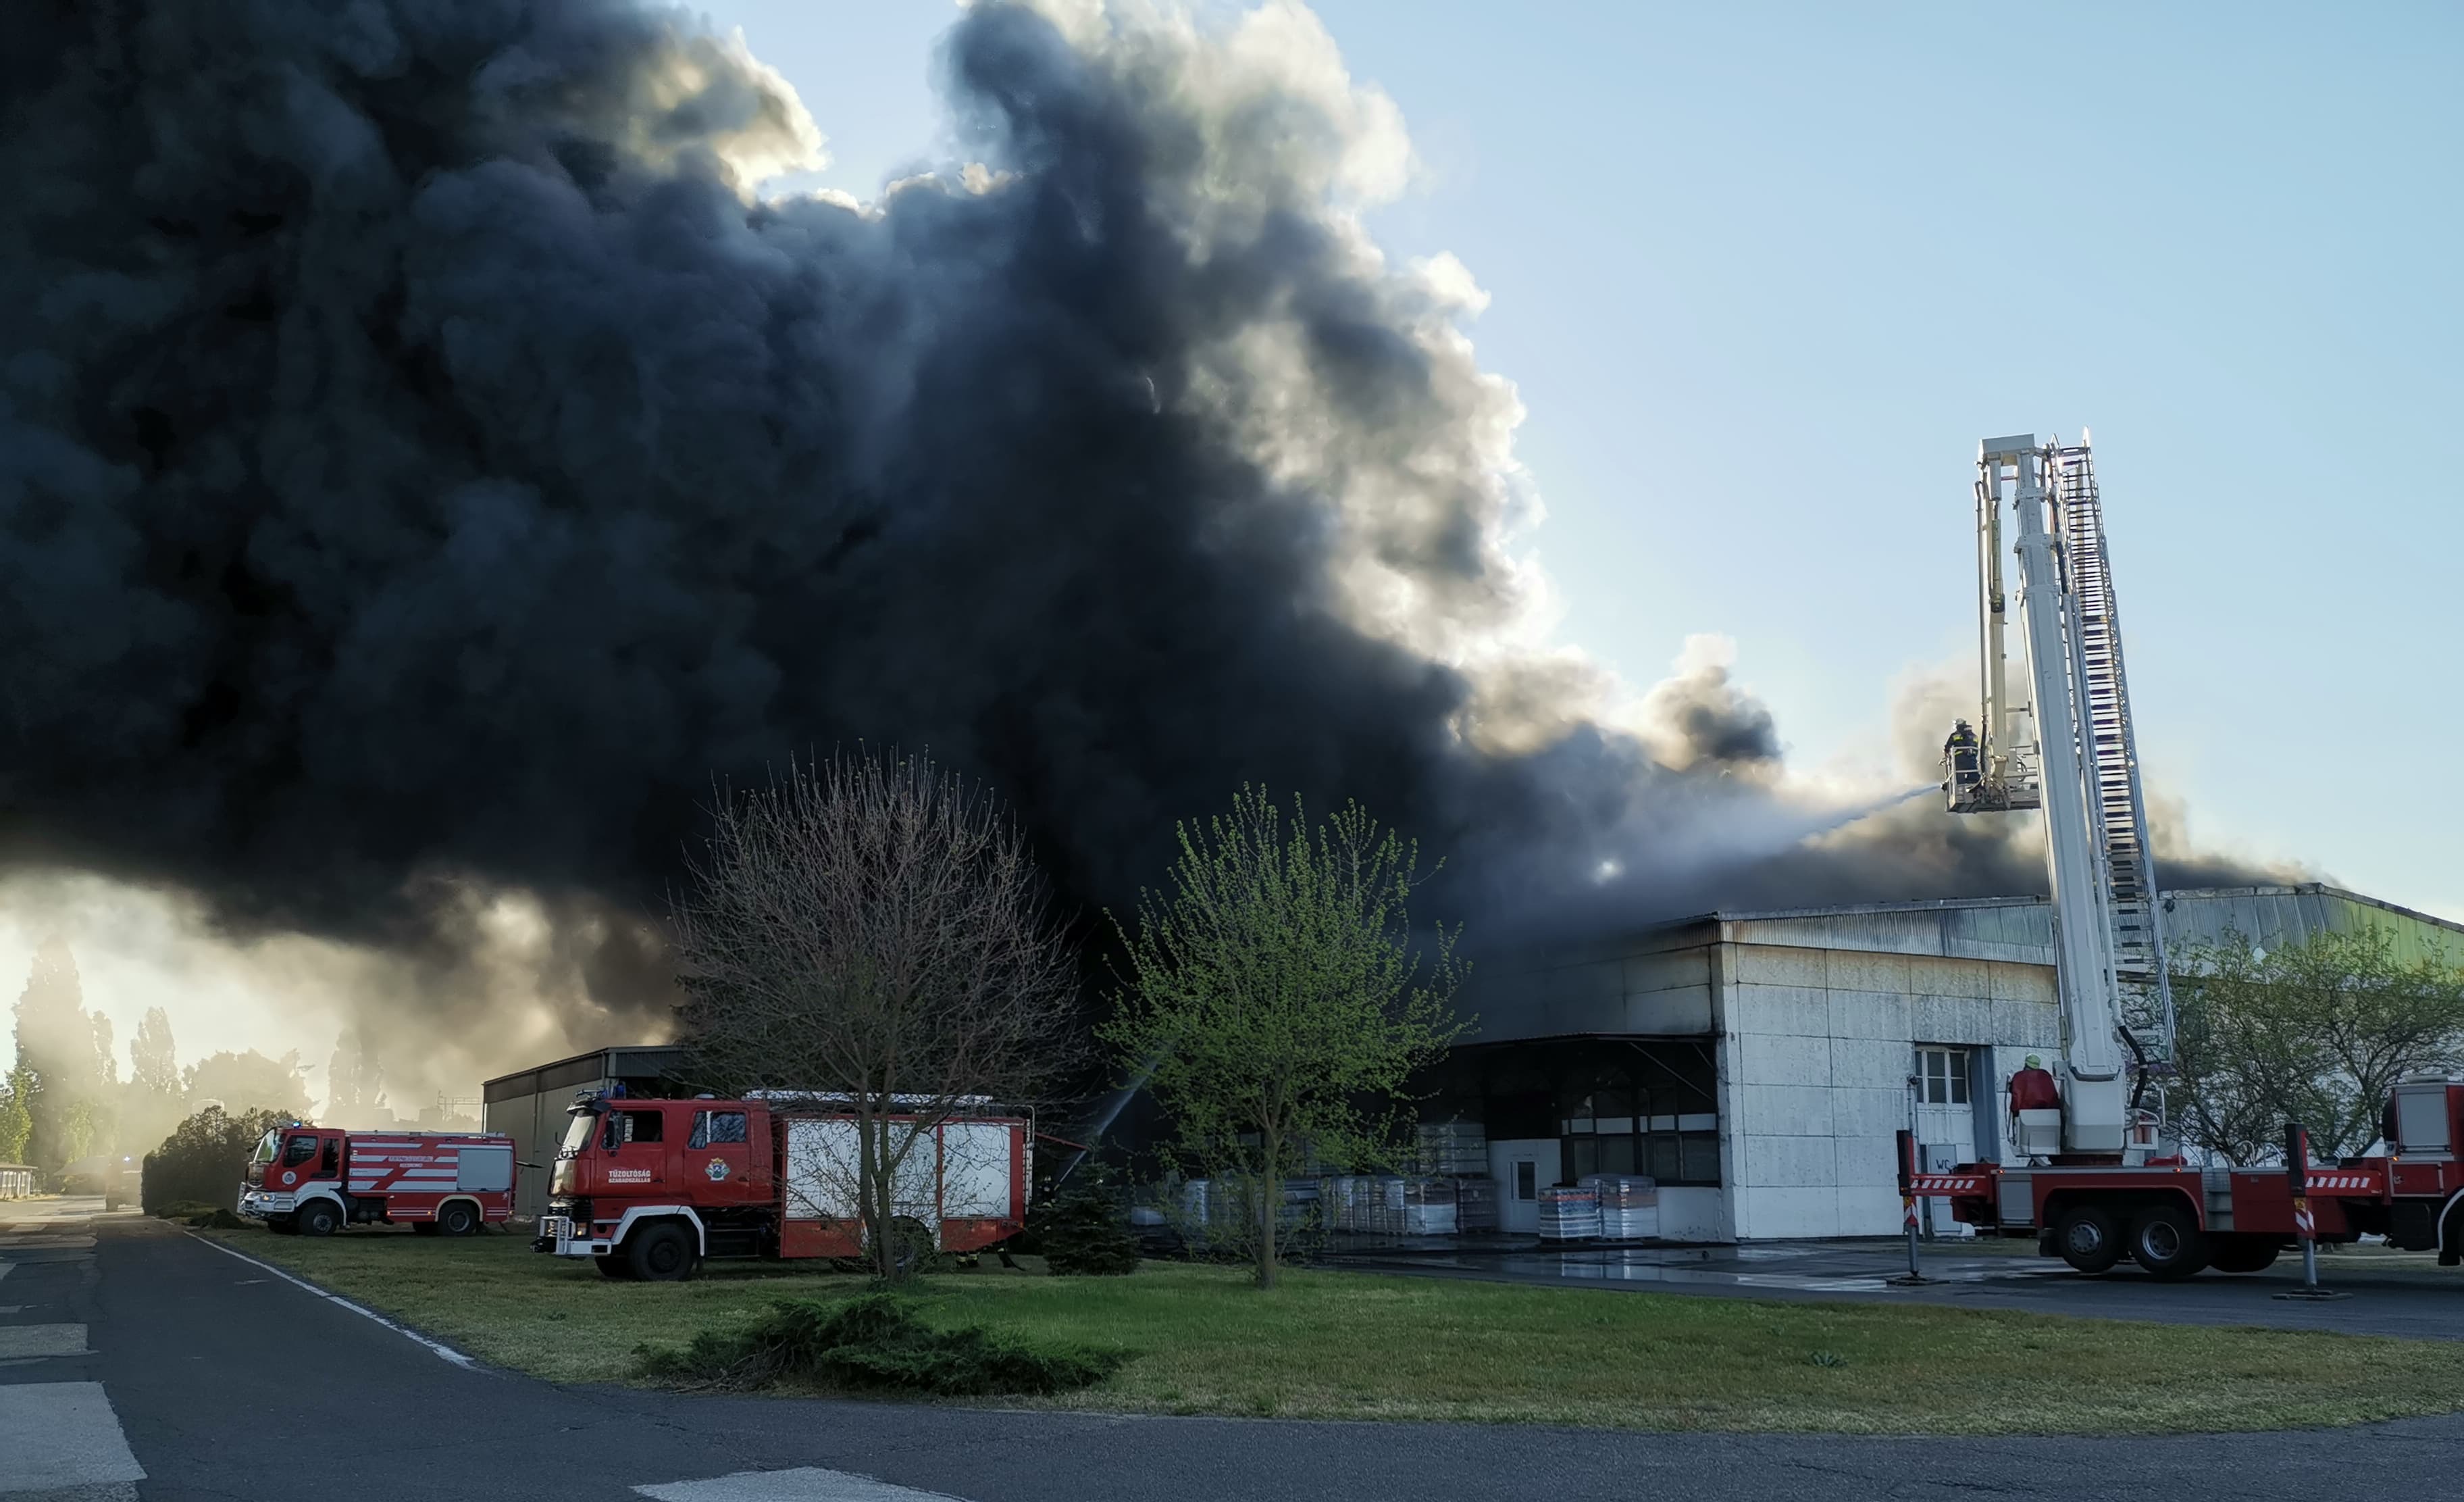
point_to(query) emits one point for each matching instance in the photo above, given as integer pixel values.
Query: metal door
(1946, 1125)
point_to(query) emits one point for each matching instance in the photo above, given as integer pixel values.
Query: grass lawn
(1339, 1345)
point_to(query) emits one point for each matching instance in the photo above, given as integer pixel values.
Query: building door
(1522, 1169)
(1946, 1125)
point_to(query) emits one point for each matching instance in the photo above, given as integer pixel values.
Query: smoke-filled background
(427, 461)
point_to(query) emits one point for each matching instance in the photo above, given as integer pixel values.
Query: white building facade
(1760, 1063)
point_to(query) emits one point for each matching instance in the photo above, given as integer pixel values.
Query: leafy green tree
(2317, 1032)
(152, 1100)
(17, 1113)
(1278, 1000)
(201, 1160)
(248, 1081)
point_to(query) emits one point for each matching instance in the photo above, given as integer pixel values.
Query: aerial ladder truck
(2098, 1183)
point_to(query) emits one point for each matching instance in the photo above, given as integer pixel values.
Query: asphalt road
(2388, 1294)
(129, 1347)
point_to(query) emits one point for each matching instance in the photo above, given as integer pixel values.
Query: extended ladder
(2111, 753)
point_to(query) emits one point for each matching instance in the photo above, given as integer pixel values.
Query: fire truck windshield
(267, 1146)
(576, 1133)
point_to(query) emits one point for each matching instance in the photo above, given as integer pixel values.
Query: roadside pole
(2297, 1170)
(1907, 1151)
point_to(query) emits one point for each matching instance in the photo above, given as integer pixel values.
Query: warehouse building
(1759, 1063)
(530, 1106)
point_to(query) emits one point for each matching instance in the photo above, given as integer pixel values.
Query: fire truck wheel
(2244, 1254)
(2166, 1241)
(2087, 1239)
(317, 1218)
(662, 1253)
(457, 1219)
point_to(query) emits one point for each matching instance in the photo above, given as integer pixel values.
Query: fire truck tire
(2244, 1254)
(2087, 1238)
(2166, 1242)
(318, 1217)
(662, 1252)
(457, 1218)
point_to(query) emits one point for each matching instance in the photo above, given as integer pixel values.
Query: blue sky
(1765, 273)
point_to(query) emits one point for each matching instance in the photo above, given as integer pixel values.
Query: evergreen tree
(244, 1082)
(153, 1062)
(57, 1041)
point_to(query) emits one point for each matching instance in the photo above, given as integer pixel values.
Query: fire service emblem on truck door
(718, 1169)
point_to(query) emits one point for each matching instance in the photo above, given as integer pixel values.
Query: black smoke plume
(424, 459)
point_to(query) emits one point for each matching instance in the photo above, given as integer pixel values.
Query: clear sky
(1765, 273)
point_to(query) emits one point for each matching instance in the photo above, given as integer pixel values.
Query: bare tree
(873, 928)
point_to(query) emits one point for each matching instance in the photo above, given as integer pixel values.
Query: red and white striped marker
(2302, 1225)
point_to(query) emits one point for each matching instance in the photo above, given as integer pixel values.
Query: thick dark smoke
(423, 459)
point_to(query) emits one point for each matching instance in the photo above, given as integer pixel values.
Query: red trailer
(317, 1179)
(2175, 1220)
(650, 1188)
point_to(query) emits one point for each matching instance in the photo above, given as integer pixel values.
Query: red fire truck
(314, 1180)
(649, 1188)
(2099, 1180)
(2175, 1220)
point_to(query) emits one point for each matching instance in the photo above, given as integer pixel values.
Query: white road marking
(438, 1346)
(805, 1484)
(19, 1341)
(57, 1435)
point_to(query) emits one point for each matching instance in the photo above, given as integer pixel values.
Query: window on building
(1647, 1108)
(1942, 1077)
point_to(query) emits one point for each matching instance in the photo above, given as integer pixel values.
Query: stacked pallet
(1569, 1214)
(1453, 1147)
(1629, 1207)
(1475, 1205)
(1429, 1208)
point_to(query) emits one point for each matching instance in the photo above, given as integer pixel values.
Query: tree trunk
(1270, 1198)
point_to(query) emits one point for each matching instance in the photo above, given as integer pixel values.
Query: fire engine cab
(314, 1180)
